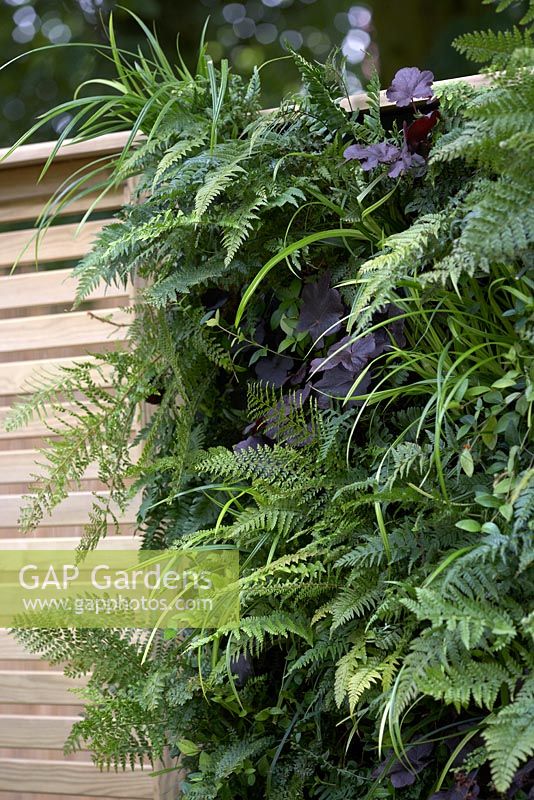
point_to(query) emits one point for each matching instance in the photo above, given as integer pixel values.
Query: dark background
(388, 33)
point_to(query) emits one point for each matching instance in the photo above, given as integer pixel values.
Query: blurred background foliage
(387, 33)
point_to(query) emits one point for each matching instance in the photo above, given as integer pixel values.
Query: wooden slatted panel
(59, 243)
(25, 730)
(55, 287)
(73, 779)
(14, 376)
(29, 686)
(61, 330)
(37, 708)
(74, 510)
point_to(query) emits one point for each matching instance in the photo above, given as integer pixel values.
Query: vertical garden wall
(335, 334)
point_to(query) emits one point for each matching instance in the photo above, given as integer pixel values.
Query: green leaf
(470, 525)
(466, 462)
(187, 747)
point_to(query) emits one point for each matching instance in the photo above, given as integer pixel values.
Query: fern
(494, 47)
(508, 207)
(227, 167)
(509, 737)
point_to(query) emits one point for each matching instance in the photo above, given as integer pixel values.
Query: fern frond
(493, 47)
(509, 737)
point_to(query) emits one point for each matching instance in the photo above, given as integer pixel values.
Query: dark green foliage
(386, 541)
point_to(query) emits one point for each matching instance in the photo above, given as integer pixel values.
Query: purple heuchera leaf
(400, 159)
(410, 83)
(523, 780)
(253, 437)
(299, 376)
(344, 362)
(242, 667)
(322, 309)
(372, 155)
(250, 441)
(274, 370)
(338, 382)
(400, 774)
(392, 335)
(352, 357)
(404, 162)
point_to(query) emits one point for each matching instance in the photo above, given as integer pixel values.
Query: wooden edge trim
(114, 142)
(37, 153)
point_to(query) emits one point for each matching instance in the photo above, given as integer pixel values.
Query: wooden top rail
(112, 143)
(27, 154)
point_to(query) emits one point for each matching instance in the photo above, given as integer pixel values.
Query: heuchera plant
(327, 363)
(409, 84)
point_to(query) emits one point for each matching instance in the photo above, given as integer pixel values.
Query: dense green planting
(336, 336)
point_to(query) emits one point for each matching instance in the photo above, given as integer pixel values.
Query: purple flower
(410, 83)
(372, 155)
(322, 309)
(274, 370)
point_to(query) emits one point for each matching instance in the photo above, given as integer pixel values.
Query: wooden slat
(23, 183)
(59, 243)
(15, 375)
(38, 153)
(11, 650)
(21, 730)
(25, 775)
(38, 427)
(29, 208)
(54, 287)
(67, 543)
(29, 686)
(74, 510)
(63, 330)
(20, 466)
